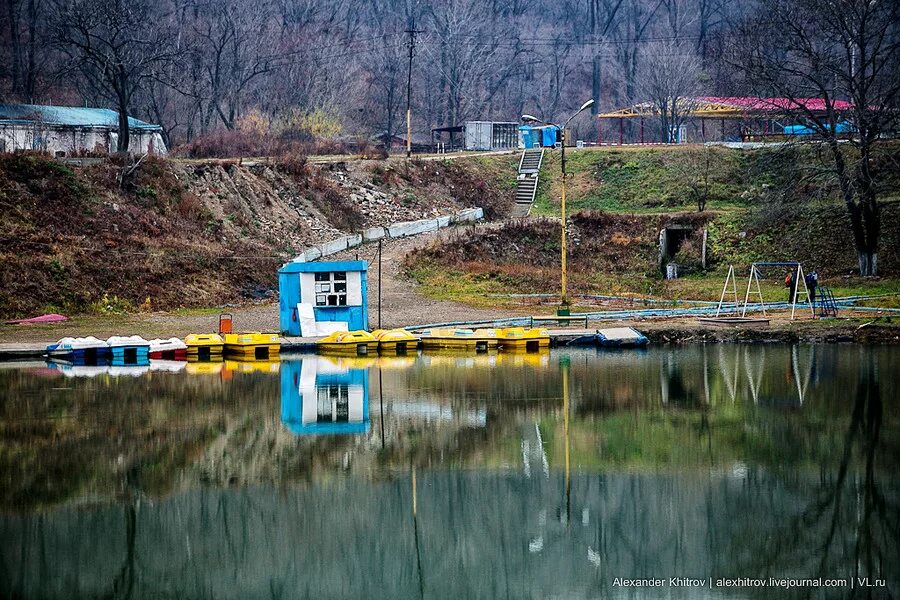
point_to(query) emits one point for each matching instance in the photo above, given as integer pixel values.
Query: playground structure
(799, 292)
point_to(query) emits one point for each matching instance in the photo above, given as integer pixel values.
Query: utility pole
(411, 44)
(379, 287)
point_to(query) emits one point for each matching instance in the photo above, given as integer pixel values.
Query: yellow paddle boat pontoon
(252, 366)
(396, 341)
(480, 340)
(348, 342)
(254, 345)
(204, 346)
(520, 338)
(204, 367)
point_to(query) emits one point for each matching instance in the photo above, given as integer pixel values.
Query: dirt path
(401, 302)
(402, 305)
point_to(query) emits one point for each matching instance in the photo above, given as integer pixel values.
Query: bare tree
(235, 47)
(26, 61)
(846, 55)
(116, 45)
(671, 78)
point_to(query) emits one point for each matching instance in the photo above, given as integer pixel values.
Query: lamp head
(530, 118)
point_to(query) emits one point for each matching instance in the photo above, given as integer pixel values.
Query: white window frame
(330, 288)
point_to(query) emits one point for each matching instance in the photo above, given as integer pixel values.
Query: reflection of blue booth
(336, 291)
(319, 396)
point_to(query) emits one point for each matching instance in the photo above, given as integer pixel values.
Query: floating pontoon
(170, 349)
(480, 340)
(83, 350)
(348, 342)
(204, 346)
(396, 341)
(254, 345)
(520, 338)
(621, 337)
(128, 349)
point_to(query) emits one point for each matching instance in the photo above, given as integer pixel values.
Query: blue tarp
(549, 136)
(536, 137)
(843, 127)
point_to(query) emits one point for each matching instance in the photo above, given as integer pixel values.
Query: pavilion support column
(621, 129)
(599, 132)
(723, 130)
(702, 129)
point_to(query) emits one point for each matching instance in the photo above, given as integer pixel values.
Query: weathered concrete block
(467, 214)
(354, 240)
(374, 234)
(311, 254)
(479, 213)
(408, 228)
(334, 246)
(443, 221)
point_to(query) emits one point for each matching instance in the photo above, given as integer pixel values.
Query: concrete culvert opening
(685, 239)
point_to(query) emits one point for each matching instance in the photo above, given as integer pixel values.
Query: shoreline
(668, 331)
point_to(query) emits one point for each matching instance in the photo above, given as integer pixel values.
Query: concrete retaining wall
(395, 230)
(408, 228)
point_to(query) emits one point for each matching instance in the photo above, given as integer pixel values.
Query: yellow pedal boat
(253, 345)
(397, 341)
(480, 340)
(204, 345)
(520, 338)
(348, 342)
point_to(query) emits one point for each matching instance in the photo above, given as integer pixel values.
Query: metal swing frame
(800, 279)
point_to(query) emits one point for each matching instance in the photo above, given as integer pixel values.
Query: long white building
(72, 131)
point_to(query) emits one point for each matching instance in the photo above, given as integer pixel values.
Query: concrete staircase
(527, 181)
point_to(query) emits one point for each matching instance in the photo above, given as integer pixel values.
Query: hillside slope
(771, 204)
(196, 233)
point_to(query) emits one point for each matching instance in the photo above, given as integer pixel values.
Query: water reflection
(464, 476)
(322, 395)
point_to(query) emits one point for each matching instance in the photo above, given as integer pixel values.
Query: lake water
(556, 475)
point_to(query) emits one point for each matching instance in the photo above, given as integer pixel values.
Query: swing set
(798, 293)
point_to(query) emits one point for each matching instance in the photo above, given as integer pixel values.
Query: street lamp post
(564, 296)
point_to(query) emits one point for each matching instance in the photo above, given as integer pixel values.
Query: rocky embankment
(183, 233)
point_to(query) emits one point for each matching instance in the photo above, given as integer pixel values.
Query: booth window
(331, 288)
(332, 403)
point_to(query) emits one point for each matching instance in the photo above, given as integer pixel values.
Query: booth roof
(323, 267)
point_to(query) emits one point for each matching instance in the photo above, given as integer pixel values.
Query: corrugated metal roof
(775, 104)
(73, 116)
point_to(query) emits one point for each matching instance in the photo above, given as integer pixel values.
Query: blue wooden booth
(336, 290)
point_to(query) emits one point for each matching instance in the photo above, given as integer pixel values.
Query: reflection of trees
(123, 584)
(845, 524)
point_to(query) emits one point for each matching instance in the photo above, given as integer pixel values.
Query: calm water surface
(445, 476)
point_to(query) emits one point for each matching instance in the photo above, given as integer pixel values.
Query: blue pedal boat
(80, 351)
(129, 350)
